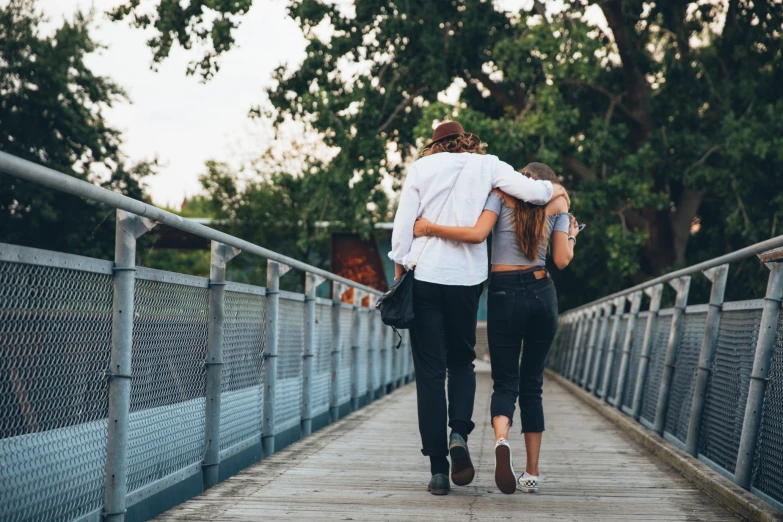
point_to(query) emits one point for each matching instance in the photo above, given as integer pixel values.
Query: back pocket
(500, 305)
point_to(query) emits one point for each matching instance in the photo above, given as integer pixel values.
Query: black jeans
(520, 308)
(443, 340)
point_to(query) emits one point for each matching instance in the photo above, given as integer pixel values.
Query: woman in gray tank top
(522, 307)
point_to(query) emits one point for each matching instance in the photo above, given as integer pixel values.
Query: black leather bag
(396, 305)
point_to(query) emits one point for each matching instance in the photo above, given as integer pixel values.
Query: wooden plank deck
(368, 467)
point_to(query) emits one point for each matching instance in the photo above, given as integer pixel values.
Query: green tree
(664, 120)
(51, 112)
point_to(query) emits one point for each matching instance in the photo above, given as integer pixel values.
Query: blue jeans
(521, 309)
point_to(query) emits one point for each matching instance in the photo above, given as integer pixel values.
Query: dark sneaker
(462, 471)
(505, 478)
(439, 484)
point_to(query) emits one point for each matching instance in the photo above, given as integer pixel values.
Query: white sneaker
(505, 478)
(529, 483)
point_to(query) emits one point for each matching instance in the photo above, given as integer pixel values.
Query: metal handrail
(45, 176)
(758, 248)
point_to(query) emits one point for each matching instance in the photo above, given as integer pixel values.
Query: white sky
(175, 117)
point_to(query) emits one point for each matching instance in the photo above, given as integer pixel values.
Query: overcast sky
(175, 117)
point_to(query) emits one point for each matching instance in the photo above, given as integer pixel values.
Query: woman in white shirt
(448, 185)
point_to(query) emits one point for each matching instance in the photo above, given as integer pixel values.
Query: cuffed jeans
(520, 308)
(443, 342)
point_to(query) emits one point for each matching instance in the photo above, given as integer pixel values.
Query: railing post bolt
(709, 342)
(682, 285)
(129, 228)
(654, 293)
(220, 255)
(765, 347)
(625, 357)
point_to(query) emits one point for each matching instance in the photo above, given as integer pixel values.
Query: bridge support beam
(274, 271)
(682, 285)
(312, 282)
(220, 255)
(765, 347)
(334, 390)
(709, 342)
(599, 355)
(595, 313)
(130, 227)
(625, 355)
(372, 349)
(619, 309)
(654, 293)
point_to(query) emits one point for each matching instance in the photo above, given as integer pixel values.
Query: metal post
(577, 344)
(682, 285)
(407, 367)
(625, 358)
(765, 347)
(129, 228)
(607, 309)
(357, 311)
(308, 357)
(334, 393)
(619, 304)
(385, 361)
(654, 293)
(371, 350)
(595, 313)
(710, 341)
(274, 271)
(220, 255)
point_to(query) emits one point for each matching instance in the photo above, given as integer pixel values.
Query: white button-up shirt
(426, 187)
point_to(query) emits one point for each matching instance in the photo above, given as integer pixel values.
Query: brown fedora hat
(446, 130)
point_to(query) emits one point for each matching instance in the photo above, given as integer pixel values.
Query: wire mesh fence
(55, 343)
(737, 346)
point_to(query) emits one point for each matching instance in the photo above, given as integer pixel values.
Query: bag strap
(439, 213)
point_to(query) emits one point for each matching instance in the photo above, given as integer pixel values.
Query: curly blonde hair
(462, 143)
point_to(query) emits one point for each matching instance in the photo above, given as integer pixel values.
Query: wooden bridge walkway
(368, 467)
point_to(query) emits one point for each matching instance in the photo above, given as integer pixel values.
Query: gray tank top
(505, 247)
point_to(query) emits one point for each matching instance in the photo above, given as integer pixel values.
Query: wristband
(572, 237)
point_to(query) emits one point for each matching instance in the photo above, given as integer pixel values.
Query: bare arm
(398, 270)
(562, 246)
(475, 234)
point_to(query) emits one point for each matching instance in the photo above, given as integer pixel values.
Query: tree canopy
(662, 118)
(51, 112)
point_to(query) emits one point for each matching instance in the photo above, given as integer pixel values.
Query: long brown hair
(531, 219)
(462, 143)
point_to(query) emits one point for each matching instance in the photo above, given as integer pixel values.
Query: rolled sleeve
(404, 218)
(520, 186)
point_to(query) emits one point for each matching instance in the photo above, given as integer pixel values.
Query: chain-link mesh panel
(600, 354)
(686, 364)
(582, 349)
(322, 375)
(346, 340)
(242, 379)
(618, 354)
(364, 344)
(564, 348)
(290, 348)
(55, 340)
(768, 465)
(167, 388)
(724, 407)
(633, 360)
(655, 367)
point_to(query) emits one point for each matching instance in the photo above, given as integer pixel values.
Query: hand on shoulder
(557, 205)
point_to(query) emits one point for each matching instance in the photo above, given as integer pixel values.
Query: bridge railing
(706, 377)
(128, 388)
